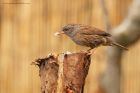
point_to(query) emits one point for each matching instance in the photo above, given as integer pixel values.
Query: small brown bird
(89, 36)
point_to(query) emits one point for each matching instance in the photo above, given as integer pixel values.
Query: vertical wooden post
(48, 72)
(71, 70)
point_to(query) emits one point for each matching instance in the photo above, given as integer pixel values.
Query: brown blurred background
(27, 33)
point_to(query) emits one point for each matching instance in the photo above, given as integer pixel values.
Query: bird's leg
(90, 51)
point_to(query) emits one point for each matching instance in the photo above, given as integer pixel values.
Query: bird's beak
(58, 33)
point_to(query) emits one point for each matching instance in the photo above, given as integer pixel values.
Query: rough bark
(75, 71)
(65, 73)
(127, 33)
(48, 72)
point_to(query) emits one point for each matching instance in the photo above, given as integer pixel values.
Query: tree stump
(65, 73)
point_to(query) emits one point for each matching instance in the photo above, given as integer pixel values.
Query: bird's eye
(65, 29)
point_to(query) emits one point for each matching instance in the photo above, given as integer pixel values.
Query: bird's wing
(88, 30)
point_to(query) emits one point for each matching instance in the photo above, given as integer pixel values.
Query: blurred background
(27, 33)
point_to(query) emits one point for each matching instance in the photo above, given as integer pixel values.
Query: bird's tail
(121, 46)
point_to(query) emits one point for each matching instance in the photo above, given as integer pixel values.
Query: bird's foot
(88, 52)
(83, 51)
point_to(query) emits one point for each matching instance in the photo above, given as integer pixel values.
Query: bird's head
(70, 30)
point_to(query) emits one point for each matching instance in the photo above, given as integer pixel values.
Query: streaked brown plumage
(89, 36)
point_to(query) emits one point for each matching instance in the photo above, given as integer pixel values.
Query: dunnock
(88, 36)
